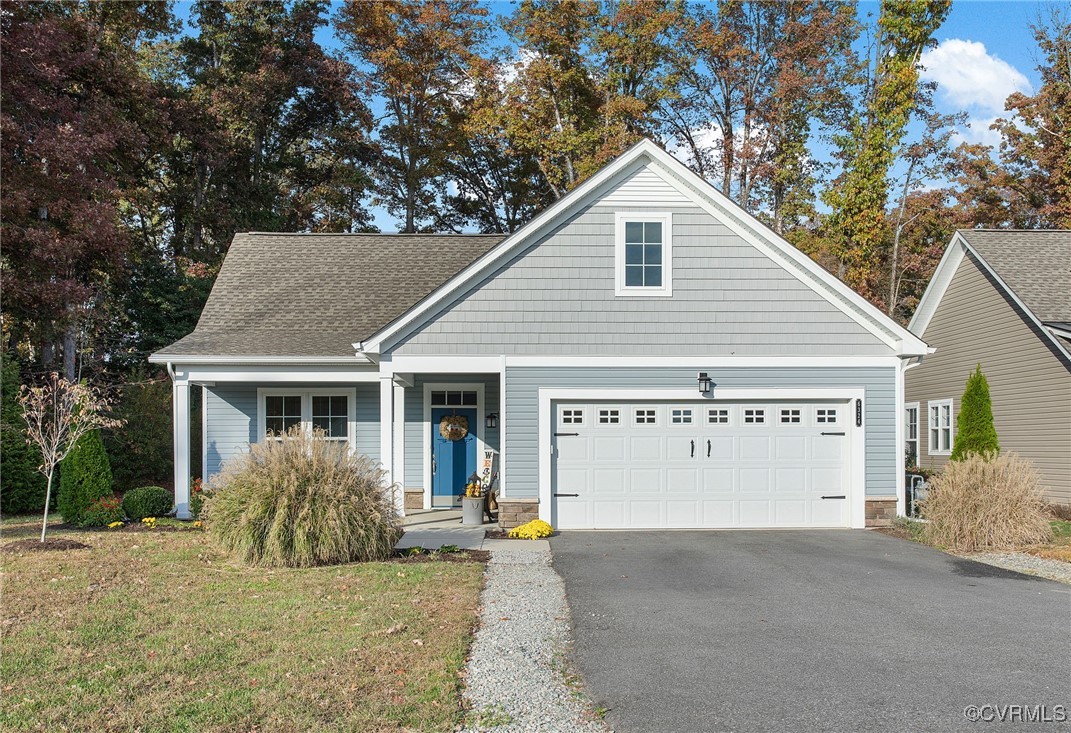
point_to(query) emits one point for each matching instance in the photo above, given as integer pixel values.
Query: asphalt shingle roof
(317, 294)
(1035, 264)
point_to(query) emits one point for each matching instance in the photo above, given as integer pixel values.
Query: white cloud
(970, 78)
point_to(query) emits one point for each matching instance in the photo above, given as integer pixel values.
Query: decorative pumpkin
(454, 427)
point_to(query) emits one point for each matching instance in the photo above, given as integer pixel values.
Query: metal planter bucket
(472, 509)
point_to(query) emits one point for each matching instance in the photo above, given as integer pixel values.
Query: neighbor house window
(911, 434)
(330, 410)
(643, 254)
(940, 426)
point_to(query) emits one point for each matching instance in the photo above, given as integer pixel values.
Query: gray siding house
(643, 354)
(1001, 299)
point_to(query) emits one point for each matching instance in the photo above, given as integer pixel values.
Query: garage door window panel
(718, 416)
(754, 416)
(645, 416)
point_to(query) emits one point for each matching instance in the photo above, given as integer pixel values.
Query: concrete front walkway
(433, 528)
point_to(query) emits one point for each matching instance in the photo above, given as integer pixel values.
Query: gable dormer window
(644, 254)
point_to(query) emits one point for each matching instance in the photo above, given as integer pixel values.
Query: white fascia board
(698, 362)
(939, 282)
(1061, 332)
(821, 282)
(357, 359)
(549, 218)
(446, 364)
(271, 374)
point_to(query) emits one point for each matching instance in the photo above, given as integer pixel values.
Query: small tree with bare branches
(57, 414)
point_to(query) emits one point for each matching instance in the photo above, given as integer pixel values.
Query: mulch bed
(480, 556)
(128, 527)
(35, 545)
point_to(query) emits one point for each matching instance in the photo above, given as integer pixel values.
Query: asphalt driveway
(817, 630)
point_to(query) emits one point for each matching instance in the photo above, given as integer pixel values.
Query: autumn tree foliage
(75, 119)
(1036, 142)
(421, 59)
(870, 146)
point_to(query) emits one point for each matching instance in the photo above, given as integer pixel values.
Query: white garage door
(679, 465)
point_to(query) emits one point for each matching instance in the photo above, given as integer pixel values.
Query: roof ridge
(1031, 231)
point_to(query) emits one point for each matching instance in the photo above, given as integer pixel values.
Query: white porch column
(180, 408)
(386, 433)
(399, 446)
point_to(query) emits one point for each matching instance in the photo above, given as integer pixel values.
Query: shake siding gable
(558, 295)
(1030, 386)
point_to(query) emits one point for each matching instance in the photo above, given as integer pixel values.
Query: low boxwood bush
(534, 530)
(147, 501)
(982, 503)
(101, 512)
(302, 501)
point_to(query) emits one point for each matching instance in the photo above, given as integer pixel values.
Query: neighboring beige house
(1002, 299)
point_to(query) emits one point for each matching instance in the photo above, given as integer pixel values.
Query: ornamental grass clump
(534, 530)
(302, 501)
(982, 503)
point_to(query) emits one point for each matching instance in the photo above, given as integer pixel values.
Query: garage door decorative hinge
(560, 434)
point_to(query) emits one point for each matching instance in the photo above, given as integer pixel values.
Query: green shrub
(147, 501)
(300, 502)
(23, 490)
(86, 476)
(102, 512)
(975, 432)
(141, 450)
(980, 503)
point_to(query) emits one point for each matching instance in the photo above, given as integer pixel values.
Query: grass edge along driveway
(158, 631)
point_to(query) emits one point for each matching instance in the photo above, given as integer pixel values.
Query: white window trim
(621, 290)
(918, 429)
(930, 405)
(306, 396)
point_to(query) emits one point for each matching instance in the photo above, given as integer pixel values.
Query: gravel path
(1024, 562)
(515, 681)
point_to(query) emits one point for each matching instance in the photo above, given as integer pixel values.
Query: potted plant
(472, 501)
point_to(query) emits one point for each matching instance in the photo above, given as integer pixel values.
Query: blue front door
(453, 457)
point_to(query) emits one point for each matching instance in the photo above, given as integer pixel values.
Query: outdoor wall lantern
(704, 382)
(492, 420)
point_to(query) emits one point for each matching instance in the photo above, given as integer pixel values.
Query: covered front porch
(429, 430)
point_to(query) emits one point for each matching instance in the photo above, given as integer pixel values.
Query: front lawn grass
(157, 631)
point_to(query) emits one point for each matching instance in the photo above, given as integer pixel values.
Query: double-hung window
(911, 434)
(644, 254)
(939, 422)
(329, 410)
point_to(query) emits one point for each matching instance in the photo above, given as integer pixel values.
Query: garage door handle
(574, 434)
(832, 433)
(693, 449)
(708, 449)
(838, 496)
(567, 494)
